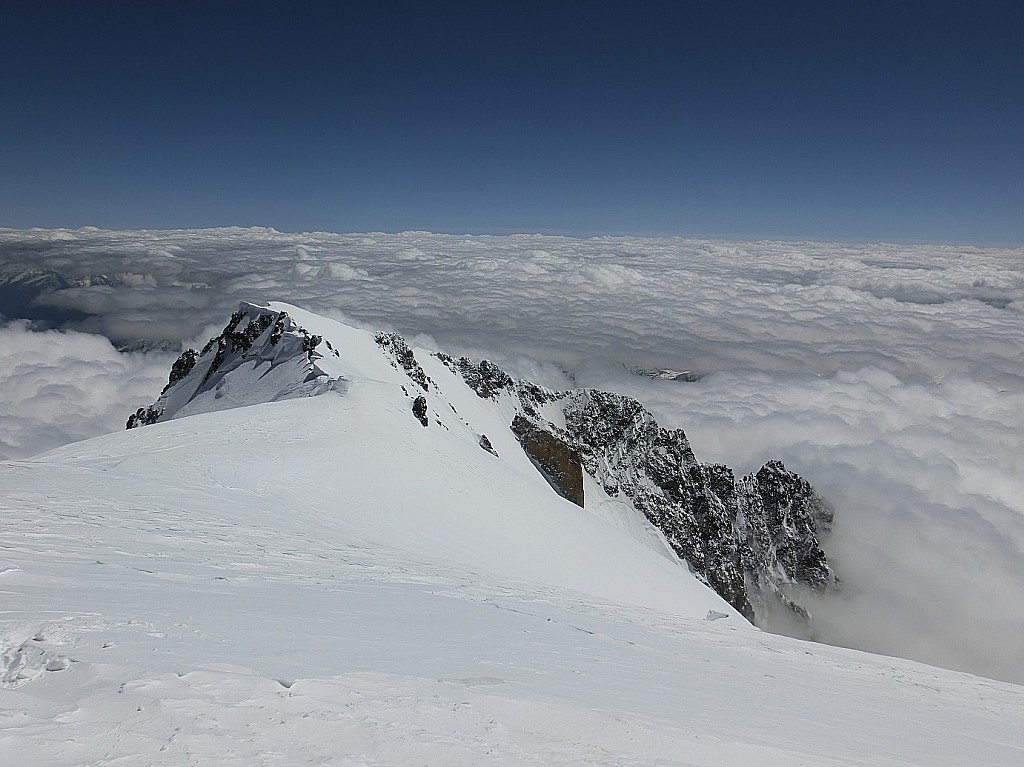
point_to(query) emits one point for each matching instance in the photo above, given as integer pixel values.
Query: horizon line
(563, 233)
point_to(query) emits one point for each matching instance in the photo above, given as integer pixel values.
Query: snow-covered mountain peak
(262, 355)
(753, 540)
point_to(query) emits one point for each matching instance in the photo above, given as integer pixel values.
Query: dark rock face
(489, 381)
(559, 463)
(623, 447)
(751, 540)
(780, 517)
(486, 379)
(419, 409)
(533, 397)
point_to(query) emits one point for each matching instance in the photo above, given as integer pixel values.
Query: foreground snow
(324, 581)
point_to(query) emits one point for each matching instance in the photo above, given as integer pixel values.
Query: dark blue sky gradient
(828, 120)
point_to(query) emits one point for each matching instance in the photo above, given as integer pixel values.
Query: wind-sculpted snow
(890, 374)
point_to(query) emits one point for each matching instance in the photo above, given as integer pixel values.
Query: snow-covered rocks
(261, 356)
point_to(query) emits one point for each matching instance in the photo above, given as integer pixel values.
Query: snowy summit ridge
(754, 540)
(224, 373)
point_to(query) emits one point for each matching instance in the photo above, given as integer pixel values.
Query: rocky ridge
(269, 344)
(755, 540)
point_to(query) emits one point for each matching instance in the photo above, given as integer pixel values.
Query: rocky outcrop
(266, 348)
(557, 461)
(403, 357)
(144, 416)
(754, 540)
(485, 443)
(485, 378)
(626, 451)
(779, 519)
(419, 410)
(181, 367)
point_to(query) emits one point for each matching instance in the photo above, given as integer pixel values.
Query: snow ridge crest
(260, 356)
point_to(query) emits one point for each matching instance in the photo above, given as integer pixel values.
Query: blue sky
(825, 120)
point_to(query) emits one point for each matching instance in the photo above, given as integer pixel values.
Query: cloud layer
(779, 307)
(59, 387)
(890, 376)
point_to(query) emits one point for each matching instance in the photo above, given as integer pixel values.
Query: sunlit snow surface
(890, 376)
(324, 581)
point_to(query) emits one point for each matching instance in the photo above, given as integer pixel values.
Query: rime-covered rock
(780, 518)
(625, 449)
(402, 357)
(144, 416)
(486, 379)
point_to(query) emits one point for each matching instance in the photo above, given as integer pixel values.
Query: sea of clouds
(890, 376)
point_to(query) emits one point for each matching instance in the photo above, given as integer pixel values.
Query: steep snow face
(754, 541)
(326, 581)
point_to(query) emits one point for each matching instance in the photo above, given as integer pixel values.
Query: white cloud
(59, 387)
(890, 376)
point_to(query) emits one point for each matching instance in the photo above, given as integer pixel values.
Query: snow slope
(324, 581)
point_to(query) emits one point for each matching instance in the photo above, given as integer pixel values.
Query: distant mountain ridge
(754, 540)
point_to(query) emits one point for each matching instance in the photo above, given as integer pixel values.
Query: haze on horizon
(743, 120)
